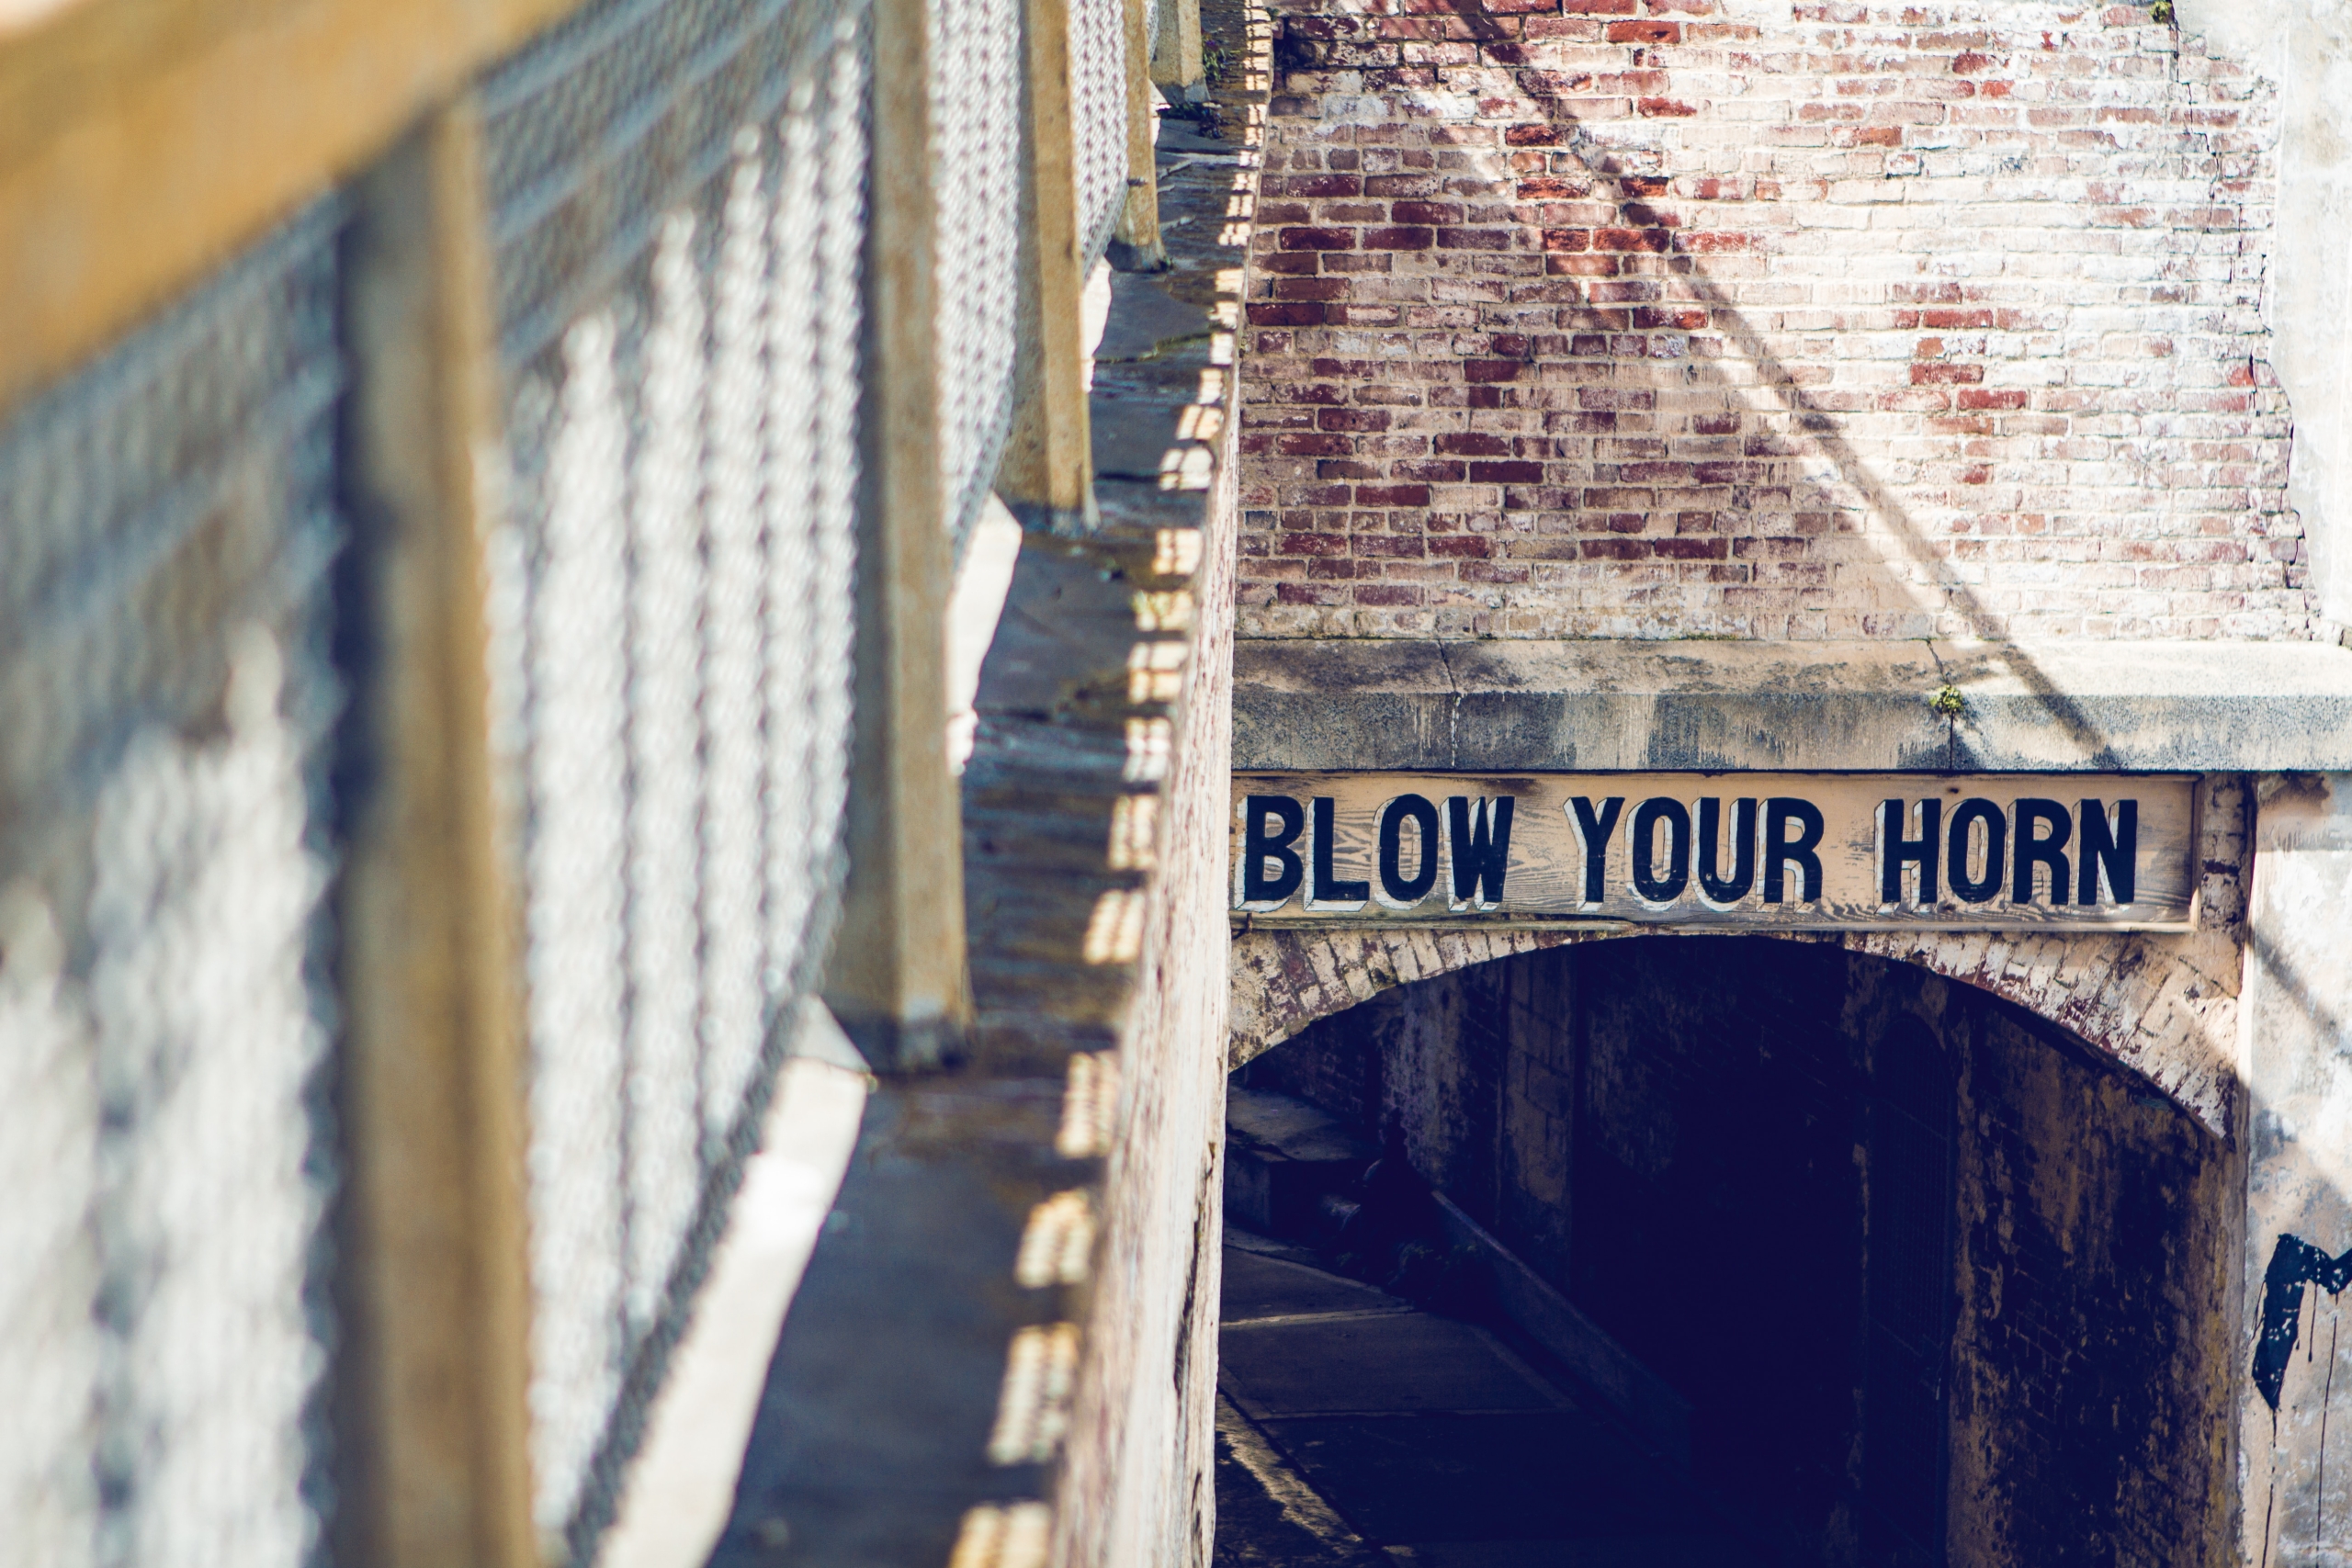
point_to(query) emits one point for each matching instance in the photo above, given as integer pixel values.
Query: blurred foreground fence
(466, 507)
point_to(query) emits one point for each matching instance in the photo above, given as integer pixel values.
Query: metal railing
(223, 1240)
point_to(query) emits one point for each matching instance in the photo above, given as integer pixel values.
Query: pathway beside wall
(1356, 1432)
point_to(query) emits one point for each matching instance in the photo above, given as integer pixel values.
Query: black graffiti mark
(2319, 1493)
(2294, 1263)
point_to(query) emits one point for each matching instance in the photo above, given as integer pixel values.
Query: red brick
(1318, 185)
(1305, 238)
(1462, 547)
(1645, 33)
(1310, 287)
(1630, 240)
(1426, 211)
(1397, 239)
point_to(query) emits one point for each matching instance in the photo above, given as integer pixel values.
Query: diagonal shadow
(1817, 428)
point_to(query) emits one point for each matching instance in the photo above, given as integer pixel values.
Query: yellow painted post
(1046, 475)
(1137, 246)
(435, 1429)
(898, 980)
(1176, 62)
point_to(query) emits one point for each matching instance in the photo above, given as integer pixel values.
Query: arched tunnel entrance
(1810, 1257)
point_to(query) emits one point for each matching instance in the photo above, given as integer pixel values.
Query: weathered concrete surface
(2303, 50)
(2096, 1345)
(2147, 707)
(2298, 1065)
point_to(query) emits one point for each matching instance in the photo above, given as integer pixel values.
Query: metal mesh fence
(166, 520)
(678, 213)
(976, 164)
(677, 224)
(1099, 115)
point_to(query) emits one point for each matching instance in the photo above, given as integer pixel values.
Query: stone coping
(1702, 705)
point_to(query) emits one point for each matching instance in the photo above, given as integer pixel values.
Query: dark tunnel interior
(1936, 1280)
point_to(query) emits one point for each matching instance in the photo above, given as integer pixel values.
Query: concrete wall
(2095, 1347)
(2301, 52)
(2297, 1047)
(1727, 318)
(1677, 1133)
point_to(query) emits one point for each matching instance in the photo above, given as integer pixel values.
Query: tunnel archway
(1940, 1281)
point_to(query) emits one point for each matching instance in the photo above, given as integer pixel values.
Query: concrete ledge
(1493, 707)
(1657, 1415)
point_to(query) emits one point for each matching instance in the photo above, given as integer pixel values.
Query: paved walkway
(1356, 1432)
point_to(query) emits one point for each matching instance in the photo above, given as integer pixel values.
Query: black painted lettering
(1395, 885)
(1647, 881)
(1480, 842)
(1717, 887)
(1896, 851)
(1986, 888)
(2043, 848)
(1595, 830)
(2113, 847)
(1779, 850)
(1258, 846)
(1327, 889)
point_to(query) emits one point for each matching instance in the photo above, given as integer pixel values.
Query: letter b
(1260, 846)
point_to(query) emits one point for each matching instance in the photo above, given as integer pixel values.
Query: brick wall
(1666, 317)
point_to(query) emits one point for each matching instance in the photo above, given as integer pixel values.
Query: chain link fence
(677, 203)
(1098, 72)
(677, 226)
(976, 162)
(166, 698)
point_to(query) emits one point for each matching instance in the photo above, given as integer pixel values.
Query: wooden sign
(1790, 852)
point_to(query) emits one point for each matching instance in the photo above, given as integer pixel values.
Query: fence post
(1176, 50)
(898, 980)
(436, 1421)
(1136, 247)
(1046, 475)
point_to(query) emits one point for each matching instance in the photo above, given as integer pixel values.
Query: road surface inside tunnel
(1355, 1430)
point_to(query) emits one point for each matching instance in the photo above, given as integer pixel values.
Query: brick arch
(2163, 1006)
